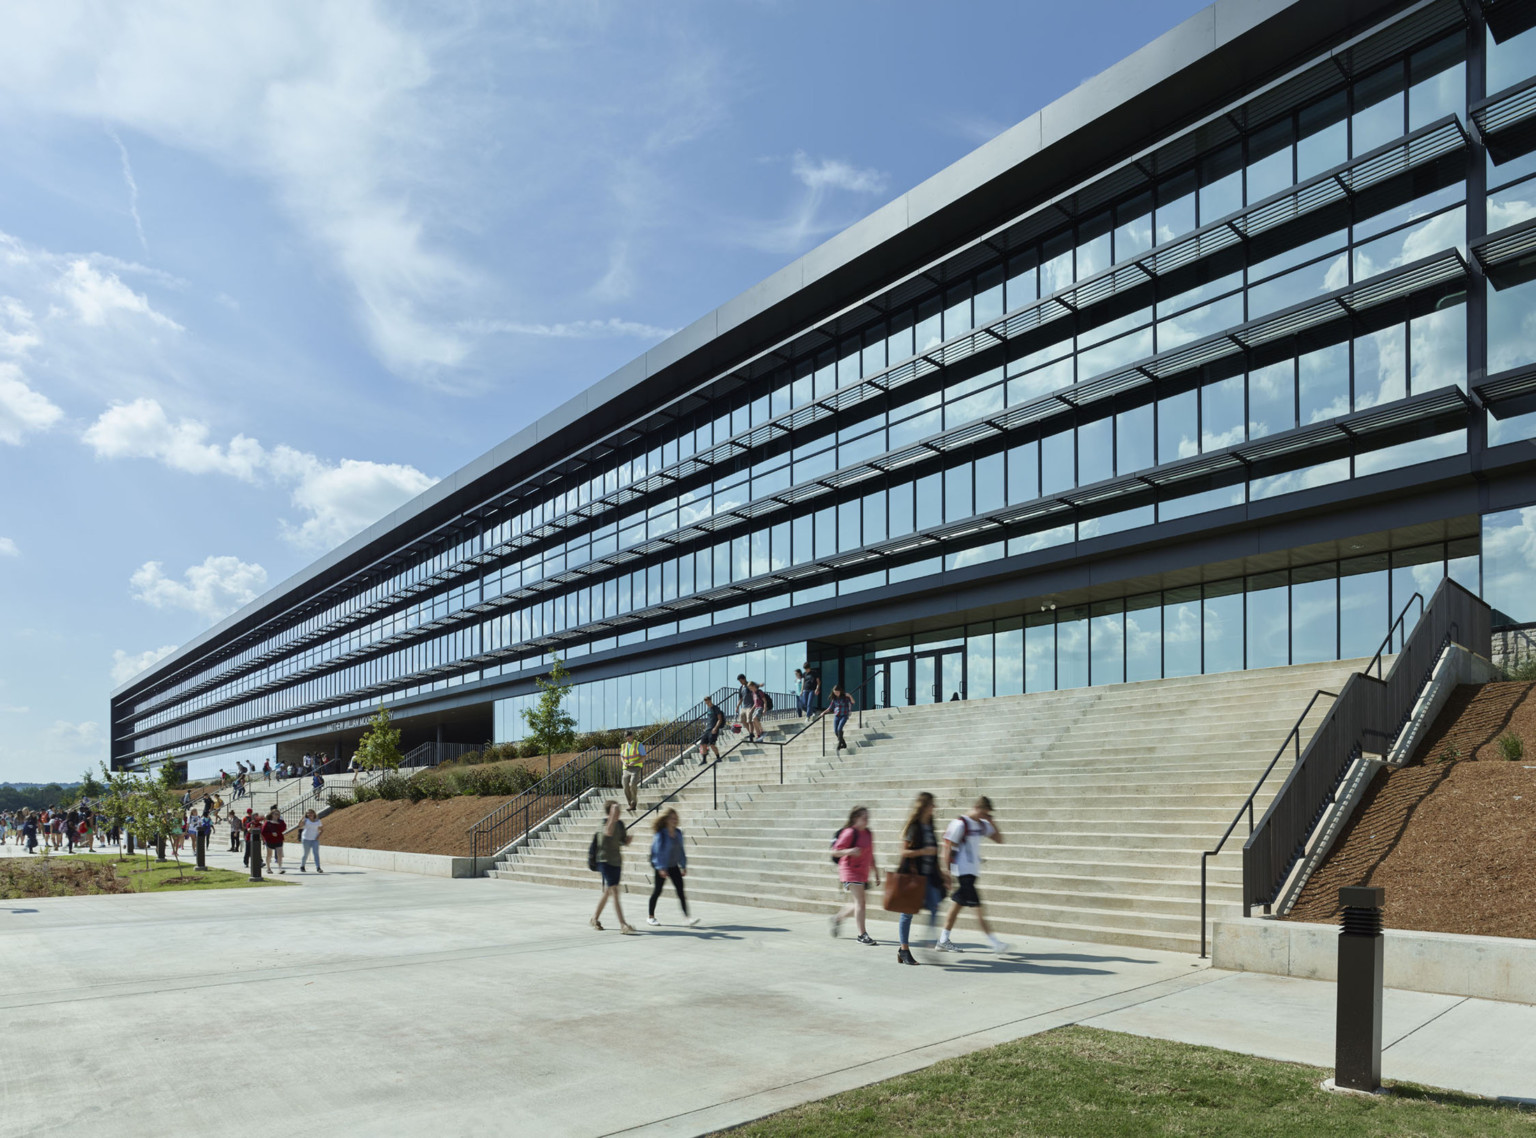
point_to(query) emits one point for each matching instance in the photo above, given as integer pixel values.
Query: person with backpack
(236, 830)
(272, 831)
(632, 755)
(714, 723)
(962, 853)
(755, 711)
(744, 702)
(920, 855)
(606, 856)
(669, 858)
(854, 851)
(840, 707)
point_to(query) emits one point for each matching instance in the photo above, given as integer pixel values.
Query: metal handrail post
(714, 780)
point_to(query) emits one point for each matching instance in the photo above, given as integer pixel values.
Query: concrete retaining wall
(432, 865)
(1488, 967)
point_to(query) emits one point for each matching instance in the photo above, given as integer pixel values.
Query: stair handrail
(1366, 706)
(812, 720)
(574, 779)
(1294, 734)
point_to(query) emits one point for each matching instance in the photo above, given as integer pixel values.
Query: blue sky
(267, 271)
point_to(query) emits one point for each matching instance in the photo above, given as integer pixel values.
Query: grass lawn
(77, 875)
(1080, 1082)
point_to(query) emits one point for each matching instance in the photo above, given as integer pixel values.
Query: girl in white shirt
(309, 838)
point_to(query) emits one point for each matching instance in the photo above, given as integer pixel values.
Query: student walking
(810, 689)
(962, 853)
(920, 855)
(272, 831)
(755, 711)
(632, 754)
(854, 850)
(714, 723)
(309, 838)
(669, 858)
(611, 840)
(235, 832)
(743, 701)
(840, 707)
(29, 832)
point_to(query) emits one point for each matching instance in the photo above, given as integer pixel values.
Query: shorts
(610, 874)
(708, 738)
(848, 886)
(271, 845)
(966, 894)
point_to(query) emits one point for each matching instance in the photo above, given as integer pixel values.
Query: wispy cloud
(612, 328)
(133, 188)
(835, 174)
(8, 548)
(810, 218)
(23, 411)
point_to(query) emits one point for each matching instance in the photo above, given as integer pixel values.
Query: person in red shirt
(252, 837)
(272, 831)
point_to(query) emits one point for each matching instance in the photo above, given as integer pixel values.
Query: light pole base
(1330, 1085)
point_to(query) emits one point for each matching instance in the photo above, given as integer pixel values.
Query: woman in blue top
(840, 707)
(670, 859)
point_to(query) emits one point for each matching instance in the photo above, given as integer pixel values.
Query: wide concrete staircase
(1106, 798)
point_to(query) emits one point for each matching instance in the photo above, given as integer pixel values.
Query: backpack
(954, 850)
(767, 702)
(837, 834)
(592, 855)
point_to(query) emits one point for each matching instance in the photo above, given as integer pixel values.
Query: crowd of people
(308, 766)
(81, 826)
(937, 863)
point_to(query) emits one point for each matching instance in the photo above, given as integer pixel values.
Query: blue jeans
(838, 723)
(931, 900)
(311, 846)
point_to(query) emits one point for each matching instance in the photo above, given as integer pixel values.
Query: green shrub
(431, 785)
(1513, 748)
(340, 801)
(364, 793)
(394, 788)
(1522, 672)
(530, 749)
(1449, 754)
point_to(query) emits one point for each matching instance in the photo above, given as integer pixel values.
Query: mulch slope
(1451, 840)
(410, 827)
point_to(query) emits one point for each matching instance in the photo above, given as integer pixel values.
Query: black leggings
(677, 880)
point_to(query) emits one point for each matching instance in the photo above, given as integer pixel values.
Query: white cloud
(329, 104)
(213, 589)
(142, 429)
(338, 499)
(22, 410)
(18, 329)
(85, 738)
(125, 667)
(834, 173)
(611, 328)
(97, 296)
(8, 548)
(341, 499)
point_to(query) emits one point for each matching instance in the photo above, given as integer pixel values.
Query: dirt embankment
(1452, 840)
(412, 827)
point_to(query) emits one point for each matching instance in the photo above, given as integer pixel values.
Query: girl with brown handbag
(922, 880)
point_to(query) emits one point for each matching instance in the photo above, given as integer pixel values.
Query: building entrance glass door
(923, 677)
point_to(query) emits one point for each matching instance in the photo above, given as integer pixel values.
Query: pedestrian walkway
(478, 1007)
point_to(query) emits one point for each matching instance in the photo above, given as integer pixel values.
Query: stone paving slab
(376, 1003)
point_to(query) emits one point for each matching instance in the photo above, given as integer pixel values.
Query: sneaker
(999, 946)
(303, 870)
(693, 922)
(947, 946)
(319, 870)
(596, 924)
(628, 930)
(832, 924)
(652, 921)
(865, 938)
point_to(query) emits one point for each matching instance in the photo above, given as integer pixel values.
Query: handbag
(904, 892)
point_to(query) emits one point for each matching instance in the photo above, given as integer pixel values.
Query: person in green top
(611, 840)
(633, 756)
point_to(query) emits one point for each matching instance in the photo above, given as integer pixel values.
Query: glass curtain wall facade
(1300, 293)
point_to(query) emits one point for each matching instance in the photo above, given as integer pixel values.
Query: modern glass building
(1211, 364)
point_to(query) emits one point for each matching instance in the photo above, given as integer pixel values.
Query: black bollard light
(130, 843)
(1357, 1041)
(253, 845)
(200, 843)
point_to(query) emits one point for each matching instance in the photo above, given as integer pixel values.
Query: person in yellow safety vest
(633, 756)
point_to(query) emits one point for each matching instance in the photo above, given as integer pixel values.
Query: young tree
(550, 725)
(116, 801)
(89, 787)
(156, 811)
(380, 746)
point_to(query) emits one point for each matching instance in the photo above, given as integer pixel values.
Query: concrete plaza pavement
(371, 1003)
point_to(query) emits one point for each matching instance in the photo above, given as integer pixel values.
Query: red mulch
(1451, 837)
